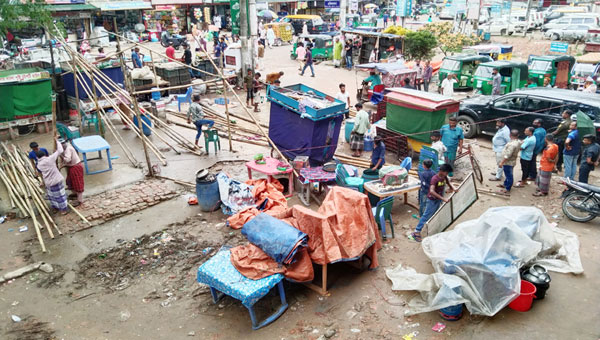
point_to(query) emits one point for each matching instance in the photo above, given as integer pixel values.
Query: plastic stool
(212, 136)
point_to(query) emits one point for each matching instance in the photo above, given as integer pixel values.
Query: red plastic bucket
(523, 302)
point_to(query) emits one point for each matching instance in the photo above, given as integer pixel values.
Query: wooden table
(270, 169)
(375, 188)
(309, 176)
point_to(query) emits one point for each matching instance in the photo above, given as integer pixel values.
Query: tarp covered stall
(114, 73)
(305, 122)
(24, 93)
(417, 113)
(478, 262)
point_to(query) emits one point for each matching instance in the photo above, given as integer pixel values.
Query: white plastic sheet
(478, 262)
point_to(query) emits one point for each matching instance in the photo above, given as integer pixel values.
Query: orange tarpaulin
(342, 229)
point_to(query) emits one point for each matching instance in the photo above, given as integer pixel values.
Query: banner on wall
(235, 16)
(403, 8)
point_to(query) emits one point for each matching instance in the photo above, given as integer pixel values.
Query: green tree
(19, 14)
(419, 45)
(449, 41)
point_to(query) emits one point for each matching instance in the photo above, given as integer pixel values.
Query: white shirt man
(448, 86)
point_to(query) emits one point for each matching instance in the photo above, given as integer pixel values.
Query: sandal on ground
(519, 185)
(494, 179)
(539, 193)
(76, 204)
(414, 237)
(501, 186)
(503, 192)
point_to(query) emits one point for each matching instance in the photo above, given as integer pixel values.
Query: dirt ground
(135, 276)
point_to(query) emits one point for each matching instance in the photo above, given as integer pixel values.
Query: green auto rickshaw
(556, 67)
(514, 76)
(322, 46)
(463, 66)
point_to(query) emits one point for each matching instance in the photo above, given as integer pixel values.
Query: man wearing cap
(589, 158)
(70, 160)
(590, 86)
(53, 180)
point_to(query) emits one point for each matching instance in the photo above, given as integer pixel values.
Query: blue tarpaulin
(276, 238)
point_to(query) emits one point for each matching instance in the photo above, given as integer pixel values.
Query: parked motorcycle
(166, 38)
(582, 204)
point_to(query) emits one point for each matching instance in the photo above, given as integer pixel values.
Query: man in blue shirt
(571, 151)
(33, 153)
(501, 138)
(378, 155)
(135, 58)
(527, 148)
(452, 137)
(589, 158)
(540, 143)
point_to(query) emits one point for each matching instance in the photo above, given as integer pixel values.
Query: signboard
(404, 8)
(25, 77)
(332, 3)
(506, 7)
(458, 204)
(559, 47)
(235, 16)
(354, 5)
(473, 9)
(496, 9)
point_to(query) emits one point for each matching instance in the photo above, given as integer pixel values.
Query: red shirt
(439, 185)
(170, 52)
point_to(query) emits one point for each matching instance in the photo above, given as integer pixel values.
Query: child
(425, 177)
(434, 198)
(437, 145)
(256, 84)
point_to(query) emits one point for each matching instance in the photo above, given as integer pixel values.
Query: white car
(502, 27)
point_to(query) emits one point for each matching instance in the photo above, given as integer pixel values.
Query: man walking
(540, 142)
(527, 148)
(496, 83)
(509, 160)
(53, 180)
(70, 160)
(434, 198)
(501, 138)
(452, 137)
(301, 55)
(195, 114)
(571, 151)
(309, 62)
(589, 159)
(560, 135)
(427, 74)
(357, 136)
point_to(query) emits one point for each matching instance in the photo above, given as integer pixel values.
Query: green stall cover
(409, 121)
(585, 125)
(25, 99)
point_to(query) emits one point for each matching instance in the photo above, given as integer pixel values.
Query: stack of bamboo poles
(110, 91)
(25, 193)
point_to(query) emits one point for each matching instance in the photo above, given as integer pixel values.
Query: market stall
(25, 99)
(388, 44)
(417, 113)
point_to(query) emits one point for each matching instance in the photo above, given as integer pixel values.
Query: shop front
(127, 13)
(171, 18)
(212, 12)
(75, 17)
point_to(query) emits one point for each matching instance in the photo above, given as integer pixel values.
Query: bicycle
(475, 164)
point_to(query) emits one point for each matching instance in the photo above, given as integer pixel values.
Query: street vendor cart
(392, 75)
(416, 114)
(305, 122)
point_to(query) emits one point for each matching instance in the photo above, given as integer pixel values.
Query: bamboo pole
(77, 98)
(153, 70)
(175, 87)
(95, 98)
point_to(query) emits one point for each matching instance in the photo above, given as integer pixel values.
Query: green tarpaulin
(409, 121)
(585, 125)
(21, 100)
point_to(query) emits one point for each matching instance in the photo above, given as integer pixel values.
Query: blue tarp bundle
(276, 238)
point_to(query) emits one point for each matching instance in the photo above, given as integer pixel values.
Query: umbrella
(267, 14)
(371, 6)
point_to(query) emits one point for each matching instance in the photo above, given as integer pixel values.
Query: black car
(479, 114)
